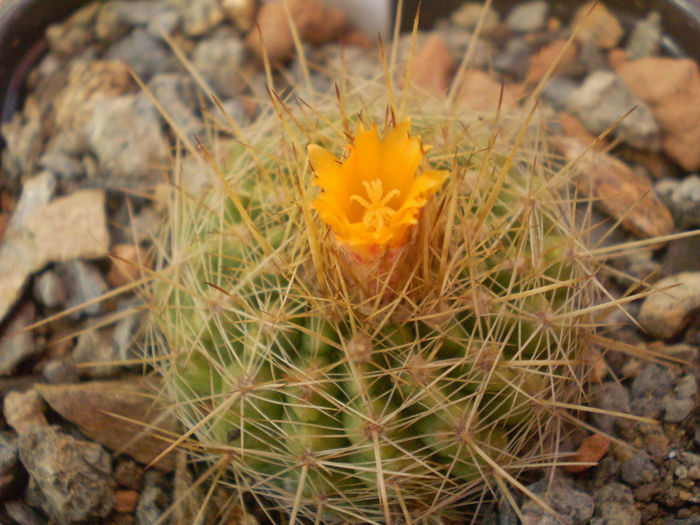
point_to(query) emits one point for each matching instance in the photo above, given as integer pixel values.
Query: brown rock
(468, 14)
(315, 23)
(356, 38)
(671, 87)
(69, 227)
(129, 474)
(241, 12)
(126, 265)
(619, 191)
(616, 57)
(433, 66)
(116, 414)
(4, 221)
(480, 92)
(573, 127)
(597, 26)
(74, 477)
(24, 411)
(16, 343)
(125, 500)
(592, 450)
(682, 256)
(545, 57)
(7, 204)
(89, 83)
(671, 305)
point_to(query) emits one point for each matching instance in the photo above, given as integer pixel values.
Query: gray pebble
(639, 470)
(60, 370)
(165, 22)
(66, 141)
(24, 140)
(693, 520)
(50, 290)
(234, 108)
(124, 335)
(36, 193)
(664, 189)
(506, 514)
(654, 381)
(125, 135)
(74, 477)
(62, 164)
(685, 202)
(686, 387)
(154, 499)
(592, 57)
(9, 461)
(177, 94)
(641, 264)
(615, 506)
(609, 396)
(84, 283)
(514, 60)
(97, 349)
(603, 99)
(200, 17)
(23, 514)
(558, 90)
(574, 506)
(676, 410)
(118, 16)
(528, 17)
(146, 225)
(457, 39)
(645, 39)
(647, 406)
(607, 470)
(194, 179)
(219, 60)
(145, 55)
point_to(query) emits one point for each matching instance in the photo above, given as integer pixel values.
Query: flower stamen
(353, 201)
(377, 214)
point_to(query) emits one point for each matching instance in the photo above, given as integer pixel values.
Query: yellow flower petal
(401, 157)
(328, 173)
(374, 197)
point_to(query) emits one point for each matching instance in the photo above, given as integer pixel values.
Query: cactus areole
(381, 336)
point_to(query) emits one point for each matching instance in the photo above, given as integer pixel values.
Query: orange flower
(373, 198)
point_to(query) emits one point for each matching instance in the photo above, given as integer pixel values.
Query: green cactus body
(350, 396)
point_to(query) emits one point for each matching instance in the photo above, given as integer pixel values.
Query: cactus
(361, 348)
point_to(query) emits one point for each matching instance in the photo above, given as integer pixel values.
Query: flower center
(376, 213)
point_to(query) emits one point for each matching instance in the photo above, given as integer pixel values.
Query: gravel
(87, 125)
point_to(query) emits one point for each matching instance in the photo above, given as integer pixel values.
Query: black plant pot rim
(23, 23)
